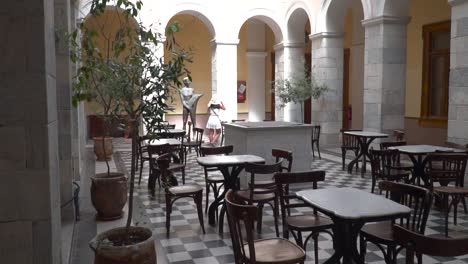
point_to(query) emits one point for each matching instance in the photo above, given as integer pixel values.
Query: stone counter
(259, 138)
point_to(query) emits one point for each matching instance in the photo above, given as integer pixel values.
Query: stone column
(64, 107)
(279, 74)
(224, 76)
(458, 88)
(327, 68)
(29, 173)
(293, 66)
(256, 85)
(384, 73)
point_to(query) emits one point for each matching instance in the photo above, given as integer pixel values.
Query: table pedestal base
(346, 234)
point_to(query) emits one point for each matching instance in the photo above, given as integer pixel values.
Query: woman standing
(214, 122)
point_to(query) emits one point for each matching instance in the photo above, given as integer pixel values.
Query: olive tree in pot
(144, 87)
(297, 89)
(96, 81)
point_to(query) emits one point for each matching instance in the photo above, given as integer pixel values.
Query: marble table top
(352, 204)
(176, 130)
(368, 134)
(423, 149)
(267, 125)
(162, 141)
(229, 160)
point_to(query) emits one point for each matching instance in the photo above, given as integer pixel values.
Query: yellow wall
(422, 13)
(195, 36)
(106, 25)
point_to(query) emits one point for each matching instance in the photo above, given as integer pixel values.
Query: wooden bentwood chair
(316, 140)
(263, 194)
(419, 199)
(173, 193)
(400, 163)
(196, 144)
(214, 182)
(241, 218)
(296, 224)
(445, 169)
(154, 151)
(385, 166)
(420, 244)
(349, 143)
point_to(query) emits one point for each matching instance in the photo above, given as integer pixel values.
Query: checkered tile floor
(187, 244)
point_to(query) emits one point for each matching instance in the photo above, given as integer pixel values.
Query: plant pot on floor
(103, 151)
(109, 195)
(109, 247)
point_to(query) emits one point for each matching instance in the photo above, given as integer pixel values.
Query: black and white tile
(187, 244)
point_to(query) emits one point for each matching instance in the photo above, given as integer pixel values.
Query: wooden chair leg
(313, 151)
(373, 184)
(207, 195)
(259, 218)
(315, 237)
(318, 149)
(198, 201)
(141, 170)
(168, 213)
(276, 215)
(362, 248)
(183, 175)
(343, 158)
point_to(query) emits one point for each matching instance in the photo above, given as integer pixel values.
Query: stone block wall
(457, 130)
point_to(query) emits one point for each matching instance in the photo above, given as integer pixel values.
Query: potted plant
(142, 92)
(299, 88)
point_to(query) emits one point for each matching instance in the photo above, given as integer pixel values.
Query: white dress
(213, 121)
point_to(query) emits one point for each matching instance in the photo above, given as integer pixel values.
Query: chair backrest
(158, 150)
(399, 135)
(163, 163)
(256, 168)
(241, 219)
(419, 199)
(433, 246)
(287, 178)
(389, 144)
(349, 141)
(316, 133)
(199, 135)
(223, 150)
(446, 167)
(281, 154)
(382, 160)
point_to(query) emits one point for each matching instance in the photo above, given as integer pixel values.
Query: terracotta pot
(139, 253)
(109, 195)
(99, 148)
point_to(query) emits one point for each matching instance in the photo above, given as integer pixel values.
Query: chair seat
(404, 165)
(265, 183)
(451, 190)
(216, 178)
(381, 232)
(176, 167)
(185, 189)
(396, 174)
(308, 222)
(276, 250)
(191, 144)
(245, 194)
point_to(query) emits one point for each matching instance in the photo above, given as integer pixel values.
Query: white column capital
(257, 54)
(283, 45)
(326, 35)
(215, 42)
(457, 2)
(385, 20)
